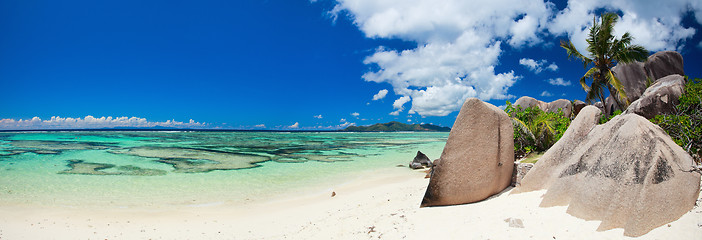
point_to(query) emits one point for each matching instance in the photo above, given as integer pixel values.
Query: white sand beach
(377, 206)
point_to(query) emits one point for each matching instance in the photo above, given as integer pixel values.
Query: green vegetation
(605, 51)
(396, 127)
(534, 129)
(604, 119)
(685, 125)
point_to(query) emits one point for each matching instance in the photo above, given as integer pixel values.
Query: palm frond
(573, 52)
(618, 87)
(632, 53)
(522, 127)
(588, 75)
(593, 40)
(624, 52)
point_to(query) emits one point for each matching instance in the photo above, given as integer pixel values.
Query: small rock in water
(515, 222)
(420, 161)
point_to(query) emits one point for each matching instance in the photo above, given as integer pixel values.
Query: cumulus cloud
(552, 67)
(296, 125)
(400, 102)
(459, 42)
(537, 66)
(531, 64)
(260, 126)
(318, 116)
(458, 45)
(342, 125)
(558, 82)
(89, 122)
(380, 95)
(342, 120)
(355, 114)
(345, 124)
(656, 25)
(546, 94)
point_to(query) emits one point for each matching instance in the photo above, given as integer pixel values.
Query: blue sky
(300, 64)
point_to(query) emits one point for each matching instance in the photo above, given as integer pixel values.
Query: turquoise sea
(156, 168)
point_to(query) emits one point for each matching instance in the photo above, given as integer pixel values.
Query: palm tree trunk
(615, 96)
(602, 99)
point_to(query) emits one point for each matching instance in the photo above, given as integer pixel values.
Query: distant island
(395, 126)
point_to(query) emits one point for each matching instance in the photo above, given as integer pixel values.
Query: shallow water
(125, 169)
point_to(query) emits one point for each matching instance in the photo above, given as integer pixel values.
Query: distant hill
(397, 127)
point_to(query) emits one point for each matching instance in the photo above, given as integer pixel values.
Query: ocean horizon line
(191, 130)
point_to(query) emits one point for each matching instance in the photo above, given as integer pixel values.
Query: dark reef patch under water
(200, 152)
(88, 168)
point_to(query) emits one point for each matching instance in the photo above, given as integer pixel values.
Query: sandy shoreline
(373, 207)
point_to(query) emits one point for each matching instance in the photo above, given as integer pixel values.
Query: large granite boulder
(420, 161)
(600, 106)
(527, 102)
(538, 177)
(578, 105)
(659, 98)
(633, 78)
(664, 63)
(627, 173)
(563, 104)
(478, 157)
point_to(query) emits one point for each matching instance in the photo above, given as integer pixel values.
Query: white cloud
(558, 82)
(380, 95)
(355, 114)
(531, 64)
(552, 67)
(458, 42)
(318, 116)
(296, 125)
(699, 45)
(398, 104)
(345, 125)
(537, 66)
(524, 31)
(458, 45)
(546, 94)
(409, 120)
(260, 126)
(656, 25)
(342, 120)
(88, 122)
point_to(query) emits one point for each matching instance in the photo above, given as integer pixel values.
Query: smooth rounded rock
(664, 63)
(627, 173)
(659, 98)
(478, 158)
(563, 104)
(633, 77)
(527, 102)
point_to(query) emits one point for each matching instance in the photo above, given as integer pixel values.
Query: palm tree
(605, 51)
